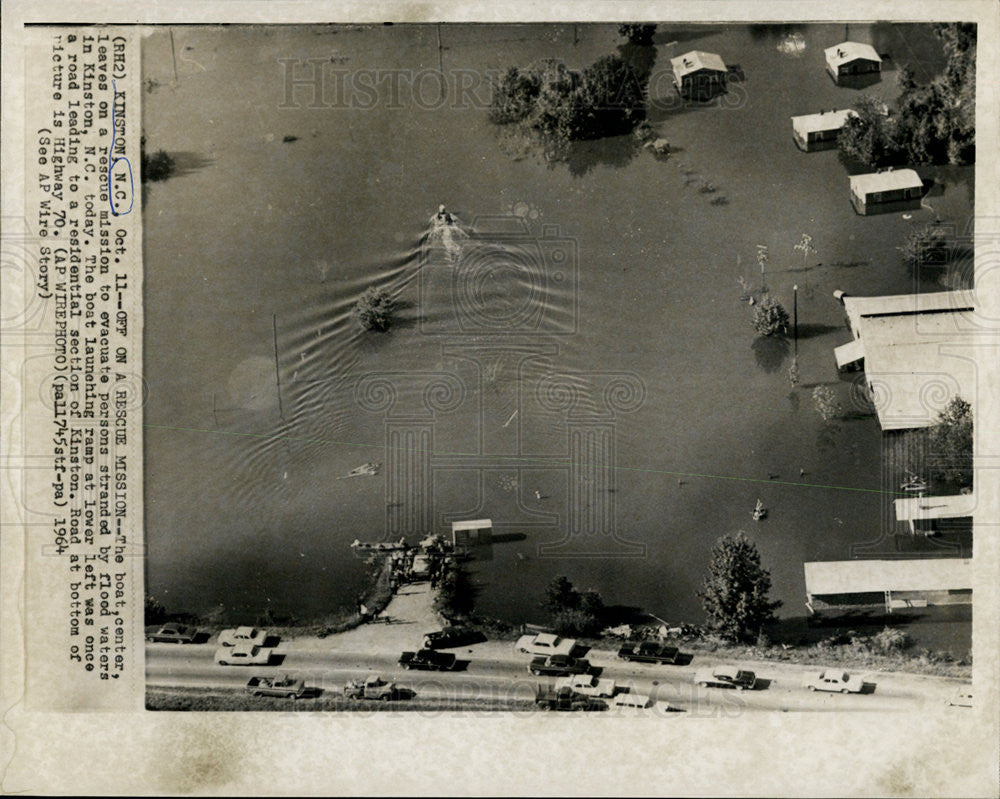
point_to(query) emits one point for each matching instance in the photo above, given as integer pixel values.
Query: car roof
(245, 631)
(725, 671)
(244, 649)
(546, 638)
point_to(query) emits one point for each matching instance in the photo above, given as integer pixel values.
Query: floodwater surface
(574, 361)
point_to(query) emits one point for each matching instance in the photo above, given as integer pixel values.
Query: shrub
(514, 96)
(949, 443)
(769, 317)
(374, 310)
(637, 33)
(158, 166)
(888, 642)
(926, 246)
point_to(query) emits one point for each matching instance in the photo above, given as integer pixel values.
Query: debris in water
(366, 470)
(289, 139)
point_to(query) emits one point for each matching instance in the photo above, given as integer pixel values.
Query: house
(472, 533)
(881, 192)
(819, 131)
(852, 58)
(846, 585)
(698, 74)
(910, 348)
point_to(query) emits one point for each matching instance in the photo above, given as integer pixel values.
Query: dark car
(173, 633)
(559, 666)
(726, 677)
(549, 698)
(648, 652)
(428, 660)
(452, 636)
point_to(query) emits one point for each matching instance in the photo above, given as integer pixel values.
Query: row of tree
(934, 123)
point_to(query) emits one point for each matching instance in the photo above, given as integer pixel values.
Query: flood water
(580, 369)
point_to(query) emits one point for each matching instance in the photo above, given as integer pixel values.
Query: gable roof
(696, 60)
(845, 52)
(885, 181)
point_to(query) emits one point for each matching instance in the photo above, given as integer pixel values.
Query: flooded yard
(584, 372)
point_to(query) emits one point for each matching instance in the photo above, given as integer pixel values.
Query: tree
(374, 310)
(949, 443)
(870, 135)
(155, 613)
(769, 317)
(456, 596)
(926, 246)
(735, 595)
(826, 403)
(573, 612)
(637, 33)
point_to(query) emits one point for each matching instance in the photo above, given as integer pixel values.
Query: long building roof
(870, 576)
(824, 120)
(918, 509)
(890, 180)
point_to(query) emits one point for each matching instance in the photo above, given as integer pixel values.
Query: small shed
(892, 190)
(819, 131)
(699, 74)
(852, 58)
(473, 533)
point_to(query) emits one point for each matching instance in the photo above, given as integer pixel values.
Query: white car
(545, 644)
(588, 685)
(243, 655)
(836, 681)
(243, 635)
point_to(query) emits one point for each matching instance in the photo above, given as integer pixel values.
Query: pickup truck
(173, 633)
(588, 685)
(243, 655)
(726, 677)
(286, 686)
(428, 659)
(545, 644)
(549, 698)
(373, 687)
(558, 666)
(836, 681)
(648, 652)
(242, 635)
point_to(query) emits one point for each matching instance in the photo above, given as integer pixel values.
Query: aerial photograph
(559, 367)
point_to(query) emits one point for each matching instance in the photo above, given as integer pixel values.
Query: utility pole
(173, 54)
(795, 315)
(277, 369)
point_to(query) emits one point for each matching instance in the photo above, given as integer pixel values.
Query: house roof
(919, 509)
(867, 576)
(907, 304)
(885, 181)
(848, 353)
(696, 60)
(472, 524)
(845, 52)
(824, 120)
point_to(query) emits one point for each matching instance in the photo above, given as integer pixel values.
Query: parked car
(173, 633)
(428, 659)
(372, 687)
(452, 636)
(588, 684)
(558, 666)
(545, 644)
(243, 635)
(962, 698)
(243, 655)
(726, 677)
(549, 698)
(648, 652)
(286, 686)
(831, 680)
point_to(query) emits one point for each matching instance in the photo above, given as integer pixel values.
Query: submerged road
(492, 671)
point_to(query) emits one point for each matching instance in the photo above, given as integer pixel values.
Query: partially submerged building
(890, 190)
(842, 586)
(910, 347)
(936, 515)
(820, 131)
(852, 58)
(698, 74)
